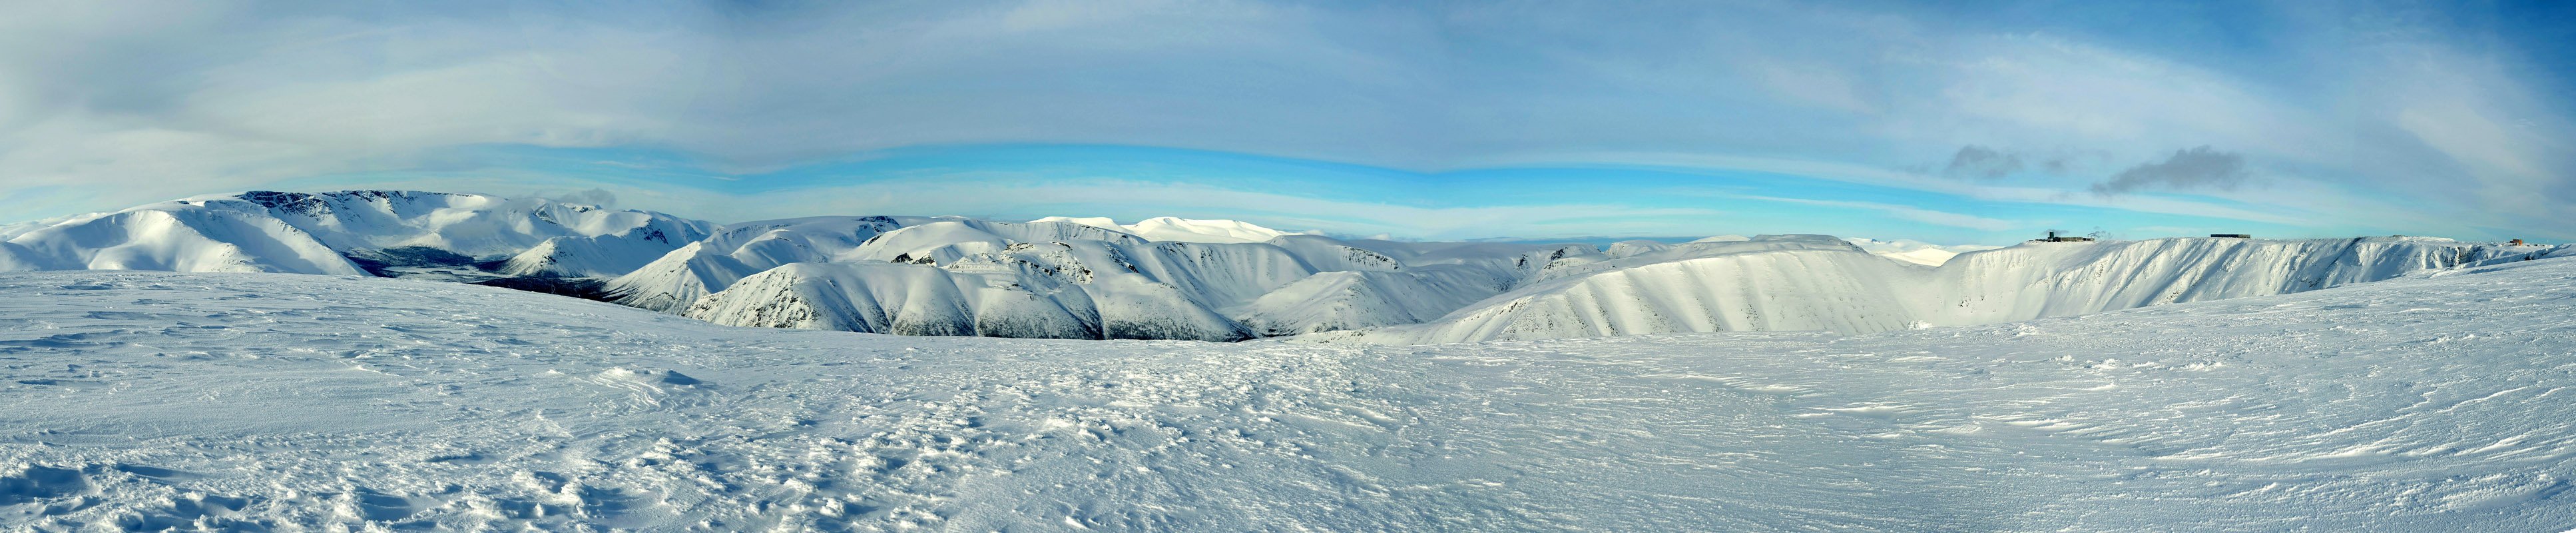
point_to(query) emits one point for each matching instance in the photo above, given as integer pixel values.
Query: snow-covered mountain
(1170, 278)
(671, 282)
(351, 233)
(1094, 281)
(1175, 229)
(1772, 283)
(231, 236)
(1038, 279)
(1064, 279)
(1067, 280)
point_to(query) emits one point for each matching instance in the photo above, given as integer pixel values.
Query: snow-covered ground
(2436, 402)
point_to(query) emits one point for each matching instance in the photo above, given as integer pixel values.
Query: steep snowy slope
(1174, 229)
(247, 402)
(351, 232)
(1777, 283)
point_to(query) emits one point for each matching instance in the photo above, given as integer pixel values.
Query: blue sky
(1961, 122)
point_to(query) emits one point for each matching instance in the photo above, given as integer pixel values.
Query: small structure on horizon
(2230, 236)
(2516, 242)
(2054, 237)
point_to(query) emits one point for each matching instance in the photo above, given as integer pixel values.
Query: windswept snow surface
(137, 400)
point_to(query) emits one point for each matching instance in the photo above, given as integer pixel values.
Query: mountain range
(1214, 280)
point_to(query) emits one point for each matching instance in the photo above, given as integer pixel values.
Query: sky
(1952, 122)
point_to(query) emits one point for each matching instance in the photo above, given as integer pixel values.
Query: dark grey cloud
(1980, 162)
(2187, 169)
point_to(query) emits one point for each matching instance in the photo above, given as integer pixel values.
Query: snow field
(287, 402)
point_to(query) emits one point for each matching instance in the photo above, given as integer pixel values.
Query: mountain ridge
(1095, 279)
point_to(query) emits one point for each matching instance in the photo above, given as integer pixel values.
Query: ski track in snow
(147, 400)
